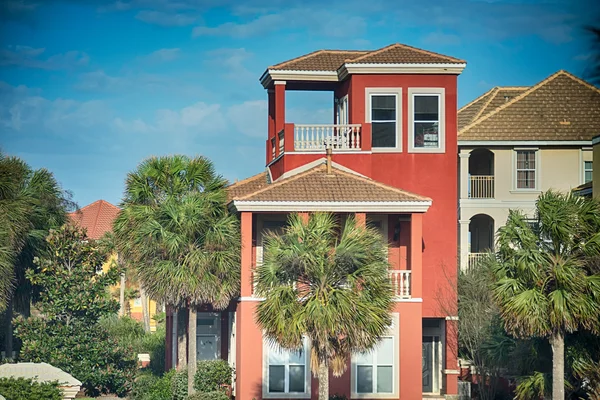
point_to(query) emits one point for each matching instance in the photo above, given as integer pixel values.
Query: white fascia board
(330, 206)
(283, 75)
(359, 68)
(524, 142)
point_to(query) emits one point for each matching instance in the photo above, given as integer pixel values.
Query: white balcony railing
(401, 283)
(474, 259)
(481, 187)
(321, 137)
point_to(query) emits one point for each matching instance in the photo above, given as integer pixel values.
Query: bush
(211, 375)
(28, 389)
(208, 396)
(150, 387)
(179, 385)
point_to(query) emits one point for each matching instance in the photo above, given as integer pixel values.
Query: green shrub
(179, 385)
(28, 389)
(211, 375)
(151, 387)
(208, 396)
(154, 343)
(127, 331)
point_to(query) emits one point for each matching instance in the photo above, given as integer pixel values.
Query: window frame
(586, 170)
(397, 92)
(536, 170)
(267, 348)
(441, 95)
(394, 334)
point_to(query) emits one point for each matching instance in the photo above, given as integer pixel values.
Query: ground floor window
(287, 371)
(375, 370)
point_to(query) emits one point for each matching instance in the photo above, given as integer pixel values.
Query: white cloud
(166, 18)
(232, 63)
(250, 118)
(100, 81)
(29, 57)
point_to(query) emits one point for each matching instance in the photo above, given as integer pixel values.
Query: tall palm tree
(175, 229)
(31, 203)
(545, 285)
(329, 286)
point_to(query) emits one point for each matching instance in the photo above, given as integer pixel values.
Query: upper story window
(526, 169)
(287, 372)
(426, 120)
(383, 111)
(587, 171)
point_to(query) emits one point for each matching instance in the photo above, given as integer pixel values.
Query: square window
(287, 370)
(374, 371)
(277, 379)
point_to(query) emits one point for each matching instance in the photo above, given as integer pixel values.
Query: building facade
(389, 160)
(517, 142)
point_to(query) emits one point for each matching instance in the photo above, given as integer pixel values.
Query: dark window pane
(297, 379)
(276, 379)
(383, 108)
(383, 115)
(426, 108)
(426, 134)
(384, 379)
(383, 134)
(364, 379)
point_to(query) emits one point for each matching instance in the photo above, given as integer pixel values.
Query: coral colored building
(392, 164)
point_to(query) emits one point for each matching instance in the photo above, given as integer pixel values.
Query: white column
(464, 173)
(464, 243)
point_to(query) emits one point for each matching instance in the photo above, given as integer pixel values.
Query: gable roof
(332, 60)
(318, 189)
(97, 218)
(562, 107)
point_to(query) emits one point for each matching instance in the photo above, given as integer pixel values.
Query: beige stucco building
(517, 142)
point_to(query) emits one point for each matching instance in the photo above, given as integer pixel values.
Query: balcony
(474, 259)
(481, 187)
(338, 137)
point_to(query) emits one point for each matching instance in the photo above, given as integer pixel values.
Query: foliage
(28, 389)
(217, 395)
(148, 386)
(328, 284)
(338, 397)
(211, 375)
(179, 385)
(74, 296)
(533, 387)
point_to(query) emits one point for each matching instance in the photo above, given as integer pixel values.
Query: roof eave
(400, 68)
(331, 206)
(271, 75)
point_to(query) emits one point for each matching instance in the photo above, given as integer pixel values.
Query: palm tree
(175, 230)
(545, 285)
(329, 286)
(31, 203)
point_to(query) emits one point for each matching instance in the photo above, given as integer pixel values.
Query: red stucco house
(392, 164)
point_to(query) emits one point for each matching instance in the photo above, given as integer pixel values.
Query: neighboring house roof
(332, 60)
(562, 107)
(97, 218)
(317, 186)
(584, 190)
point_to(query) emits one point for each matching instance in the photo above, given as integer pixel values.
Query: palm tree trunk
(122, 296)
(145, 312)
(192, 322)
(8, 334)
(557, 341)
(323, 377)
(181, 340)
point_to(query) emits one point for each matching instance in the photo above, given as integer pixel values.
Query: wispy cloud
(29, 57)
(441, 39)
(163, 55)
(232, 63)
(100, 81)
(166, 18)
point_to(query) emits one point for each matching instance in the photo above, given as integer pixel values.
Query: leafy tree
(546, 286)
(327, 285)
(31, 203)
(74, 296)
(176, 231)
(29, 389)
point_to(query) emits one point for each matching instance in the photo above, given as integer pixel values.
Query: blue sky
(90, 88)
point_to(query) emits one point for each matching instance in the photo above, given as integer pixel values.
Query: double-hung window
(526, 169)
(287, 371)
(384, 118)
(374, 371)
(426, 120)
(587, 171)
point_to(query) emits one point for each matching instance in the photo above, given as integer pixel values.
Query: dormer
(391, 100)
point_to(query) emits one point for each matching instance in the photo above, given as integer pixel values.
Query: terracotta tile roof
(316, 185)
(247, 186)
(97, 218)
(486, 103)
(332, 60)
(561, 107)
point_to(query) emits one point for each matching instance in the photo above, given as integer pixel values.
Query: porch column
(451, 369)
(464, 173)
(248, 357)
(416, 255)
(464, 243)
(361, 219)
(271, 120)
(279, 106)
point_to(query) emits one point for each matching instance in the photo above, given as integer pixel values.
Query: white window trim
(386, 92)
(342, 108)
(537, 170)
(441, 92)
(394, 333)
(307, 375)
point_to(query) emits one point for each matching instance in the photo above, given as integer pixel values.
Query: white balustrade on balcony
(481, 187)
(345, 137)
(401, 283)
(474, 259)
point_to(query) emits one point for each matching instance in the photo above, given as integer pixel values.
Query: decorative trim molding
(490, 143)
(333, 206)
